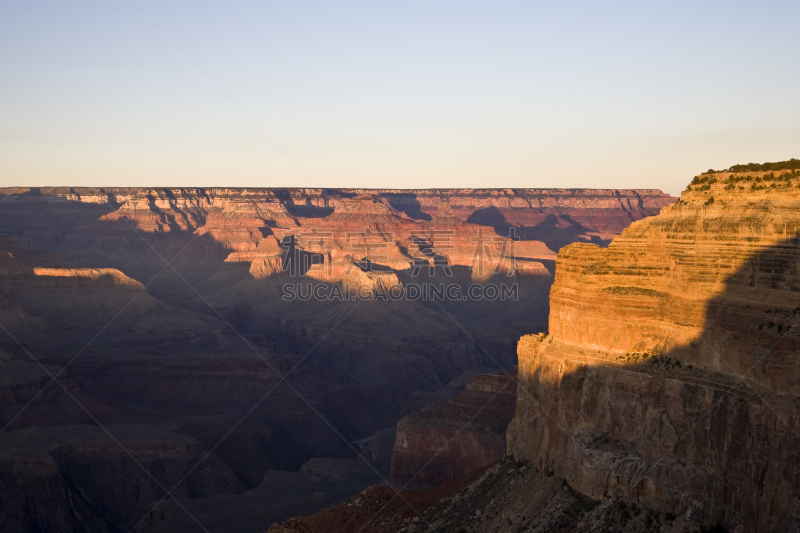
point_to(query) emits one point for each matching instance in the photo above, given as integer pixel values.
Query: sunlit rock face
(670, 372)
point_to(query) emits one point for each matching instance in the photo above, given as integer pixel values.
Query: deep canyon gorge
(153, 363)
(663, 395)
(245, 360)
(399, 267)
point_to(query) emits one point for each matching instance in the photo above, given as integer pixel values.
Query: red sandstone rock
(670, 374)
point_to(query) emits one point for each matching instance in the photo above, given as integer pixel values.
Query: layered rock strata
(234, 216)
(670, 372)
(444, 442)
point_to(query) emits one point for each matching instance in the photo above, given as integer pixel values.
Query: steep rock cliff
(670, 373)
(444, 442)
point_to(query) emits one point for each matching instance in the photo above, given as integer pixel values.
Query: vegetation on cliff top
(791, 164)
(769, 180)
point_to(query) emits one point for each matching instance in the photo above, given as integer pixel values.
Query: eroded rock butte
(669, 375)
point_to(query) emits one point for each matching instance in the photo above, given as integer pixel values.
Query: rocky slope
(507, 496)
(669, 376)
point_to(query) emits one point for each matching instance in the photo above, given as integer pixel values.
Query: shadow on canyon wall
(559, 231)
(409, 205)
(492, 217)
(556, 231)
(309, 210)
(709, 428)
(175, 363)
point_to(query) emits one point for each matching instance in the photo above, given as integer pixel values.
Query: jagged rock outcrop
(444, 442)
(670, 373)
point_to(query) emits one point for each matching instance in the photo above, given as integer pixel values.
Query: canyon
(167, 337)
(663, 396)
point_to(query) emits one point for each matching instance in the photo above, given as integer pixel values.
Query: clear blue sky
(394, 94)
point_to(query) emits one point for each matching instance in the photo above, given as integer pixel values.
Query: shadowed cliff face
(444, 442)
(165, 308)
(670, 374)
